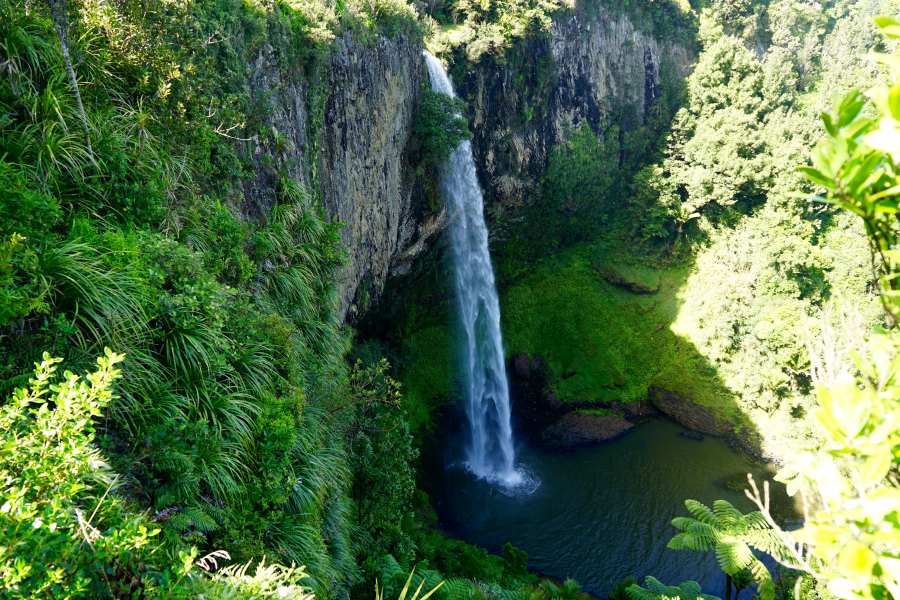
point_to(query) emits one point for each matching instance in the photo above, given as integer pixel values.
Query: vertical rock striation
(371, 96)
(365, 144)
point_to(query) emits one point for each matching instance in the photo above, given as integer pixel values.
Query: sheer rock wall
(360, 161)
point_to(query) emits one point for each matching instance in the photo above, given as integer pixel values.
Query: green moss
(636, 278)
(600, 412)
(684, 376)
(426, 381)
(599, 341)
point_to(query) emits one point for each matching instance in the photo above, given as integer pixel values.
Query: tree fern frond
(689, 590)
(702, 513)
(690, 541)
(726, 514)
(734, 556)
(656, 586)
(457, 588)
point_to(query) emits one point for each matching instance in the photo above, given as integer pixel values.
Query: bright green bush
(439, 126)
(655, 590)
(66, 531)
(64, 534)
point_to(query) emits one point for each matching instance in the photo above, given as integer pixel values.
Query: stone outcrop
(576, 429)
(701, 420)
(351, 135)
(365, 144)
(683, 411)
(634, 410)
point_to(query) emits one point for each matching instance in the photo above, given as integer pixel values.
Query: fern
(732, 535)
(656, 590)
(234, 583)
(457, 588)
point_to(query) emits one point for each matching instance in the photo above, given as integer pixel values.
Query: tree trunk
(727, 586)
(60, 22)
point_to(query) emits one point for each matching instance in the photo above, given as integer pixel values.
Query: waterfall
(489, 453)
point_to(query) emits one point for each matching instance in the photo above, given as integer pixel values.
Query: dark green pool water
(604, 512)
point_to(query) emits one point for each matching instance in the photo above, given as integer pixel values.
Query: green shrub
(574, 201)
(64, 534)
(25, 211)
(439, 126)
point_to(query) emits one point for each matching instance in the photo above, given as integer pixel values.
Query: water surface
(604, 512)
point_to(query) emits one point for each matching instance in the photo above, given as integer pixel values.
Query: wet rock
(363, 175)
(534, 405)
(551, 401)
(692, 435)
(522, 365)
(577, 429)
(701, 419)
(536, 362)
(591, 62)
(636, 410)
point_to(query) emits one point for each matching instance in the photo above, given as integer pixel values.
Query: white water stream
(490, 453)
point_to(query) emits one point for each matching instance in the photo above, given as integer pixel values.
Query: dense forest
(192, 409)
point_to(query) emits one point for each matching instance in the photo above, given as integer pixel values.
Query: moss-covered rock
(638, 279)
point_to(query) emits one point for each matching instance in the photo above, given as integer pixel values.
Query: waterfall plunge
(490, 452)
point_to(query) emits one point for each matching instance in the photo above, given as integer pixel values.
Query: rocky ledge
(552, 424)
(575, 429)
(701, 420)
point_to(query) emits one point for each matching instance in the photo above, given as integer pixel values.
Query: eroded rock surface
(364, 175)
(683, 411)
(370, 99)
(576, 429)
(369, 102)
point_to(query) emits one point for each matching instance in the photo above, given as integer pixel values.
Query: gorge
(475, 293)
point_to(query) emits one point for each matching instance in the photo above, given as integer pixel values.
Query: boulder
(522, 365)
(692, 435)
(686, 413)
(550, 401)
(634, 410)
(577, 429)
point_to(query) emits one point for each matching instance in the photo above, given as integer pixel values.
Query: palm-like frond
(457, 588)
(702, 513)
(656, 590)
(732, 535)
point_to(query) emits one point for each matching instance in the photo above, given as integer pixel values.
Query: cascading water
(490, 452)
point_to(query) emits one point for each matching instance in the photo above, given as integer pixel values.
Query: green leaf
(817, 177)
(888, 26)
(850, 108)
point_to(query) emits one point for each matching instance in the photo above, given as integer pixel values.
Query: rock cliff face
(359, 156)
(590, 67)
(365, 152)
(369, 103)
